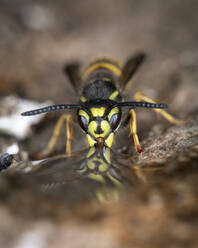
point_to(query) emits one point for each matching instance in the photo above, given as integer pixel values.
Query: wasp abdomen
(103, 65)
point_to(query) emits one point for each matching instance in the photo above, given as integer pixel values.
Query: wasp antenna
(50, 109)
(143, 105)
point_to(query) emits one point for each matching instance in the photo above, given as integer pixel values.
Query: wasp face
(100, 123)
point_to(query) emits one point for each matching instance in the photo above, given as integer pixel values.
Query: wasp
(99, 110)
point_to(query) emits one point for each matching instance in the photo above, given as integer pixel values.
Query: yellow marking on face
(90, 140)
(112, 112)
(83, 113)
(109, 141)
(104, 126)
(111, 67)
(92, 127)
(83, 99)
(114, 95)
(98, 111)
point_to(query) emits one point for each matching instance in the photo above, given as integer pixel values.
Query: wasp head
(99, 119)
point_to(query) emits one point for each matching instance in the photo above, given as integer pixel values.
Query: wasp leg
(69, 133)
(56, 134)
(141, 97)
(133, 131)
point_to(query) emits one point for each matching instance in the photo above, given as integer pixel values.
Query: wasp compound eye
(83, 120)
(115, 120)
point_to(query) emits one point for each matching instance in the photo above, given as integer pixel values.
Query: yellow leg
(140, 97)
(56, 134)
(133, 131)
(69, 133)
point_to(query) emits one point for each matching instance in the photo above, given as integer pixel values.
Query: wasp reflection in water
(92, 172)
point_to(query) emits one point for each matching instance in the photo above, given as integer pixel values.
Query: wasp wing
(130, 68)
(73, 73)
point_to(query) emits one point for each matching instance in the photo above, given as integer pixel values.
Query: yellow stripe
(113, 68)
(113, 95)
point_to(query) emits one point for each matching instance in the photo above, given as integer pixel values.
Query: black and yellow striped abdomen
(100, 79)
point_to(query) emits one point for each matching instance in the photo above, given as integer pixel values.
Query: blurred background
(38, 38)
